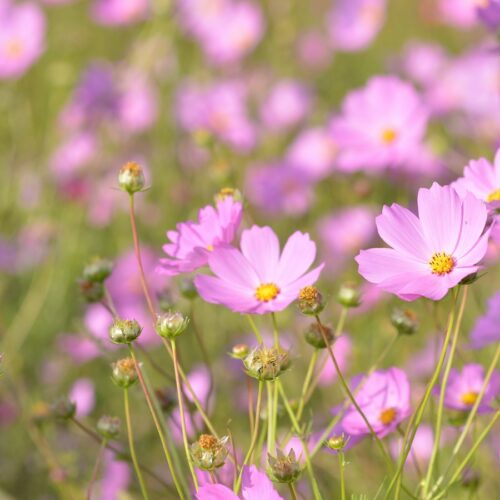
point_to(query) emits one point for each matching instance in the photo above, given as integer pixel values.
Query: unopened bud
(131, 177)
(240, 351)
(92, 291)
(314, 336)
(208, 452)
(124, 331)
(337, 443)
(226, 192)
(265, 363)
(187, 289)
(310, 301)
(171, 324)
(108, 427)
(405, 321)
(284, 468)
(98, 270)
(349, 295)
(124, 373)
(63, 408)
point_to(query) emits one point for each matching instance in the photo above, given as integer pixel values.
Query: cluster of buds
(91, 284)
(266, 363)
(315, 335)
(63, 408)
(131, 178)
(284, 468)
(108, 427)
(228, 192)
(171, 324)
(124, 373)
(349, 295)
(124, 331)
(337, 443)
(209, 453)
(310, 301)
(405, 321)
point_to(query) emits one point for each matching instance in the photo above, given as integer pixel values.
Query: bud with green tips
(310, 301)
(97, 270)
(337, 443)
(131, 177)
(92, 291)
(405, 321)
(124, 373)
(108, 427)
(124, 331)
(284, 468)
(171, 324)
(349, 295)
(209, 453)
(239, 351)
(314, 337)
(63, 408)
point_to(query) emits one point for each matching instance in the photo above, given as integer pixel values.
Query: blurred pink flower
(314, 50)
(258, 279)
(381, 125)
(488, 12)
(116, 478)
(421, 448)
(342, 349)
(429, 254)
(486, 331)
(120, 12)
(422, 62)
(190, 246)
(22, 38)
(82, 393)
(74, 154)
(460, 13)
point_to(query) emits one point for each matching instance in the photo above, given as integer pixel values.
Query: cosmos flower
(486, 331)
(421, 448)
(459, 13)
(82, 393)
(464, 387)
(385, 401)
(488, 12)
(258, 279)
(254, 484)
(119, 12)
(22, 38)
(193, 242)
(381, 125)
(432, 253)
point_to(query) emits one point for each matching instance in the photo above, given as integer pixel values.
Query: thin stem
(293, 493)
(253, 441)
(254, 329)
(270, 417)
(307, 381)
(275, 331)
(181, 411)
(132, 446)
(95, 470)
(444, 384)
(250, 402)
(341, 467)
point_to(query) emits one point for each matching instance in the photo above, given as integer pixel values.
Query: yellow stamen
(388, 415)
(469, 398)
(441, 263)
(210, 248)
(267, 292)
(493, 196)
(389, 135)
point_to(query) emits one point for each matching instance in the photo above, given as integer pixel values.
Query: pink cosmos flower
(488, 12)
(464, 387)
(342, 349)
(82, 393)
(421, 448)
(385, 401)
(314, 50)
(381, 125)
(258, 279)
(254, 485)
(460, 13)
(116, 477)
(119, 12)
(193, 242)
(22, 38)
(432, 253)
(486, 331)
(423, 61)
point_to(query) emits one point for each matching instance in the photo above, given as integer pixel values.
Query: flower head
(432, 253)
(258, 279)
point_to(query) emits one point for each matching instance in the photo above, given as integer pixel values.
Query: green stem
(293, 493)
(341, 466)
(270, 417)
(307, 381)
(254, 329)
(132, 446)
(275, 331)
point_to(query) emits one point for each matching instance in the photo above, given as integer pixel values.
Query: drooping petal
(297, 256)
(261, 248)
(229, 264)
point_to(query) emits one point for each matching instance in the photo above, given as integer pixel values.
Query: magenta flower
(193, 242)
(82, 393)
(464, 387)
(258, 279)
(488, 12)
(254, 485)
(486, 331)
(119, 12)
(459, 13)
(22, 38)
(421, 448)
(423, 61)
(381, 125)
(432, 253)
(385, 401)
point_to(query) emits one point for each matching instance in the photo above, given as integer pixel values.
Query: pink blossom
(486, 330)
(423, 61)
(73, 155)
(432, 253)
(342, 349)
(119, 12)
(258, 279)
(116, 477)
(314, 50)
(82, 393)
(192, 243)
(488, 12)
(421, 448)
(460, 13)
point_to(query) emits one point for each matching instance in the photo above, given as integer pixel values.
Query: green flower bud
(239, 351)
(226, 192)
(337, 443)
(284, 469)
(266, 363)
(314, 337)
(349, 295)
(63, 408)
(208, 452)
(92, 291)
(187, 289)
(405, 321)
(310, 301)
(131, 177)
(124, 331)
(171, 324)
(108, 427)
(124, 373)
(98, 270)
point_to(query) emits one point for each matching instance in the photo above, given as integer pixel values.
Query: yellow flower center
(493, 196)
(389, 135)
(267, 292)
(308, 294)
(469, 398)
(441, 263)
(210, 248)
(388, 415)
(14, 48)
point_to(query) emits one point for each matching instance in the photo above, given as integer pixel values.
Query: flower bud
(234, 193)
(108, 427)
(469, 279)
(405, 321)
(187, 289)
(337, 443)
(124, 373)
(131, 177)
(98, 270)
(208, 452)
(284, 469)
(124, 331)
(265, 363)
(239, 351)
(349, 295)
(63, 408)
(314, 337)
(92, 291)
(165, 300)
(171, 324)
(310, 301)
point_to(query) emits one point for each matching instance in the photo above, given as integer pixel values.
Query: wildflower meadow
(249, 249)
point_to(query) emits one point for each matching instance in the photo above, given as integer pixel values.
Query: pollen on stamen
(469, 398)
(441, 263)
(388, 416)
(493, 196)
(266, 292)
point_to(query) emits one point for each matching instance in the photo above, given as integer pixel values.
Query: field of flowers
(249, 249)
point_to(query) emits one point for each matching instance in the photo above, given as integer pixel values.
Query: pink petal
(291, 290)
(215, 492)
(229, 264)
(261, 247)
(297, 256)
(257, 486)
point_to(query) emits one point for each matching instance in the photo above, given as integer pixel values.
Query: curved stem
(95, 469)
(132, 446)
(254, 328)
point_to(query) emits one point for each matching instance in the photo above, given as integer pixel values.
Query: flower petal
(297, 256)
(229, 264)
(261, 247)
